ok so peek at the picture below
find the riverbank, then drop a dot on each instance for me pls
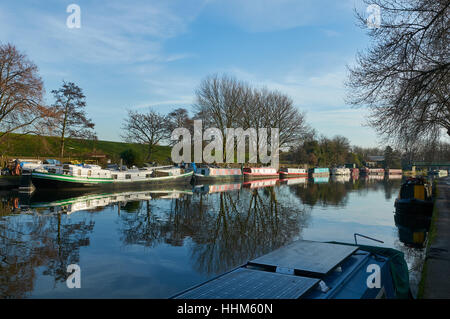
(436, 271)
(42, 147)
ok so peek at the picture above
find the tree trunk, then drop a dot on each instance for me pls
(61, 153)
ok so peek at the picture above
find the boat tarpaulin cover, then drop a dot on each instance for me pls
(397, 265)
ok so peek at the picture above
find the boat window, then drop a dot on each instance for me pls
(147, 175)
(128, 176)
(114, 176)
(89, 172)
(79, 172)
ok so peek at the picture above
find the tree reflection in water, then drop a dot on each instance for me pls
(29, 241)
(226, 229)
(335, 193)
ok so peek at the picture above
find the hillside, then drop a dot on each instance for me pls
(48, 147)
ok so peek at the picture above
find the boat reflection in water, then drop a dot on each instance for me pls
(71, 202)
(412, 229)
(301, 181)
(260, 183)
(340, 178)
(216, 188)
(319, 180)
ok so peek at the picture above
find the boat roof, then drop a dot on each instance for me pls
(306, 257)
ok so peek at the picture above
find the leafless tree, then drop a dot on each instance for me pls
(220, 101)
(404, 77)
(21, 91)
(179, 118)
(71, 120)
(146, 128)
(225, 102)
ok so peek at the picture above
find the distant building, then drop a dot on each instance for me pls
(374, 160)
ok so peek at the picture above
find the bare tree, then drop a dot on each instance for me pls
(146, 128)
(220, 101)
(404, 77)
(21, 91)
(71, 120)
(179, 118)
(225, 102)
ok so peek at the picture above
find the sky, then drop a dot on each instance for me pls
(132, 55)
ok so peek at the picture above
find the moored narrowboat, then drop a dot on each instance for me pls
(211, 174)
(312, 270)
(438, 172)
(292, 172)
(260, 172)
(371, 171)
(82, 176)
(393, 171)
(318, 172)
(354, 172)
(415, 197)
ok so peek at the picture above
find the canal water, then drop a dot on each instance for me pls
(155, 243)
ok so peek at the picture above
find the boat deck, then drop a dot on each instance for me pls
(290, 272)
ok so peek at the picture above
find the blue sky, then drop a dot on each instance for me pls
(136, 54)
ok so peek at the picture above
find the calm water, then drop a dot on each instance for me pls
(153, 244)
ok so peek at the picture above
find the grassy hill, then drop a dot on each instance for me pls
(48, 147)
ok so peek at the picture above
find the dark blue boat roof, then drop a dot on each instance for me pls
(306, 257)
(303, 269)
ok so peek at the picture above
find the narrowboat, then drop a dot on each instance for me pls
(293, 172)
(372, 171)
(438, 172)
(318, 172)
(312, 270)
(354, 172)
(83, 176)
(211, 174)
(393, 171)
(260, 172)
(415, 197)
(340, 171)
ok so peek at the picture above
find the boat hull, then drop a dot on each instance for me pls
(54, 181)
(250, 176)
(414, 207)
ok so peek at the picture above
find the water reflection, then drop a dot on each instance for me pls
(32, 240)
(220, 226)
(226, 230)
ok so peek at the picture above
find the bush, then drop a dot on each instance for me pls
(131, 157)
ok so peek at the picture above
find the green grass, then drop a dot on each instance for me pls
(48, 147)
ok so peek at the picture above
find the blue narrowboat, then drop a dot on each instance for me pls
(318, 172)
(312, 270)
